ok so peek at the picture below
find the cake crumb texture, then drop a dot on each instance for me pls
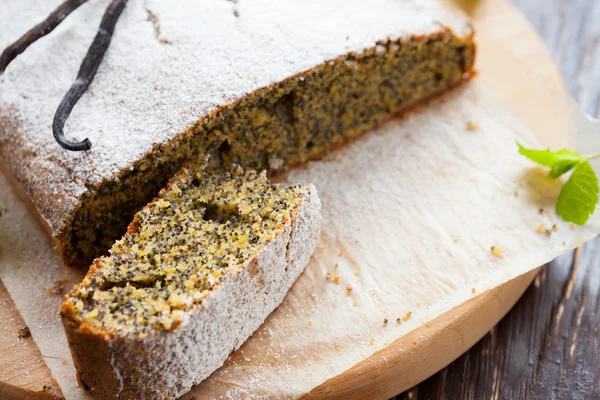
(179, 248)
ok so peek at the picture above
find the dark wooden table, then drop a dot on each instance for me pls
(548, 346)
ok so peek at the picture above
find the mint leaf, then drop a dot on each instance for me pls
(579, 195)
(559, 161)
(561, 167)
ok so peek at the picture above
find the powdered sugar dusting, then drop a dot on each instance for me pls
(147, 90)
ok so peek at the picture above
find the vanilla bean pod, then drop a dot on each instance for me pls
(38, 31)
(86, 74)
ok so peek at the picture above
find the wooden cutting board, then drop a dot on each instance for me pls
(23, 372)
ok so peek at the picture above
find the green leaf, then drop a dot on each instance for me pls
(559, 161)
(561, 167)
(579, 195)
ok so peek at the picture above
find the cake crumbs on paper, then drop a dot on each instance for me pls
(385, 321)
(24, 332)
(406, 316)
(336, 266)
(372, 340)
(455, 239)
(58, 288)
(357, 271)
(497, 251)
(549, 231)
(540, 228)
(572, 226)
(516, 193)
(473, 290)
(314, 296)
(332, 278)
(341, 253)
(472, 126)
(354, 303)
(348, 290)
(540, 210)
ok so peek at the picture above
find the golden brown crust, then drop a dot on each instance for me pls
(25, 198)
(91, 355)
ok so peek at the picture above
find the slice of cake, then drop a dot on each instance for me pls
(262, 83)
(198, 271)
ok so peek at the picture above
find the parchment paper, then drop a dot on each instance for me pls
(410, 213)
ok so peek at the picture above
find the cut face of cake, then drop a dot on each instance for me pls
(199, 270)
(260, 83)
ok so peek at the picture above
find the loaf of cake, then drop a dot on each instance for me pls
(198, 271)
(265, 84)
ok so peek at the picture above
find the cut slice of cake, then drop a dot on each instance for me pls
(198, 271)
(262, 83)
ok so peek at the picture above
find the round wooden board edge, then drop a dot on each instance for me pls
(421, 353)
(23, 370)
